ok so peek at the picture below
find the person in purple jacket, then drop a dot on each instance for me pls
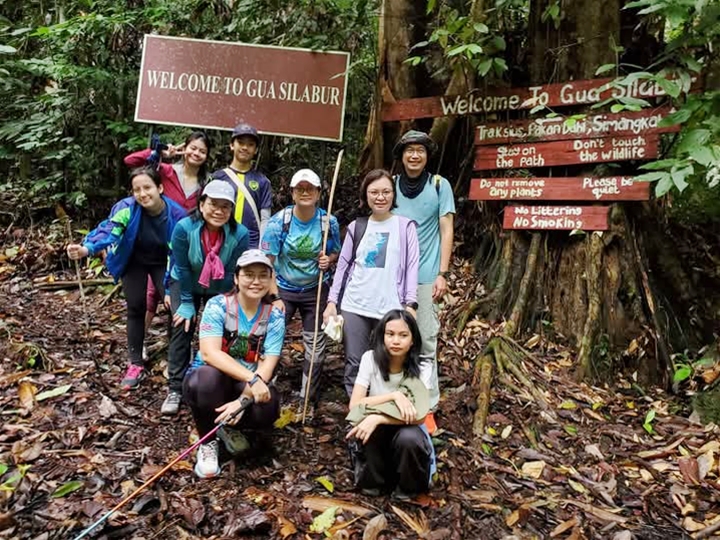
(253, 192)
(377, 270)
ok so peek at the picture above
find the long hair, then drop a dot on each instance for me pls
(147, 171)
(373, 176)
(411, 367)
(203, 170)
(197, 214)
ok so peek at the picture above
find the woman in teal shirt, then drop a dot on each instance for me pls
(205, 247)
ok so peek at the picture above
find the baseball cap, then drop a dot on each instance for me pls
(245, 129)
(414, 137)
(413, 388)
(219, 189)
(253, 256)
(305, 175)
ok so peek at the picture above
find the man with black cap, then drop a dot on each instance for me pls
(428, 200)
(253, 191)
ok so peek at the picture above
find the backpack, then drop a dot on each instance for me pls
(287, 221)
(235, 347)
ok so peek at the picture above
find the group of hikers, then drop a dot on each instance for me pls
(200, 242)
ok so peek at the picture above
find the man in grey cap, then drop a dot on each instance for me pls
(428, 200)
(253, 190)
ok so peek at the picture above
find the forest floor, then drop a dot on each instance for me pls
(599, 464)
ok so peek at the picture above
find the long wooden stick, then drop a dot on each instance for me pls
(320, 283)
(79, 277)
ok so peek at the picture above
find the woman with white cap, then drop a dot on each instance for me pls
(205, 247)
(241, 338)
(293, 241)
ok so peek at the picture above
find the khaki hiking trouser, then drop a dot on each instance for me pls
(429, 324)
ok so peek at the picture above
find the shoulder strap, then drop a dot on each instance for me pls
(287, 220)
(231, 315)
(361, 224)
(437, 179)
(246, 194)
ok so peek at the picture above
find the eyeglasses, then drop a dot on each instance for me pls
(252, 277)
(385, 194)
(304, 189)
(220, 205)
(416, 151)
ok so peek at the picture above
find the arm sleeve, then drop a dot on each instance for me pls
(447, 200)
(271, 237)
(365, 370)
(181, 255)
(412, 264)
(334, 237)
(264, 218)
(110, 230)
(343, 265)
(137, 159)
(272, 345)
(212, 322)
(266, 195)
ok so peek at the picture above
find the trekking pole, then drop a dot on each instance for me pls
(244, 404)
(66, 218)
(320, 283)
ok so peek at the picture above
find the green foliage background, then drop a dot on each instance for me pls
(69, 70)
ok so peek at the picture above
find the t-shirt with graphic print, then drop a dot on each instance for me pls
(212, 324)
(296, 262)
(372, 288)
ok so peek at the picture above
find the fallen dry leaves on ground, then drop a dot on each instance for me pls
(607, 463)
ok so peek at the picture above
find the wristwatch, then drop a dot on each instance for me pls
(255, 379)
(412, 305)
(445, 274)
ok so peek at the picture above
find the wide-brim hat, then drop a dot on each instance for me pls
(414, 137)
(413, 388)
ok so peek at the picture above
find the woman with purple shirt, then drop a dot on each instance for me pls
(377, 275)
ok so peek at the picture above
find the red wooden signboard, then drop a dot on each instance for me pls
(589, 218)
(215, 84)
(551, 95)
(559, 128)
(613, 188)
(523, 156)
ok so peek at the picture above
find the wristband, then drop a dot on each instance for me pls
(412, 305)
(255, 379)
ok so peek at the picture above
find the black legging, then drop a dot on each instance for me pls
(134, 283)
(206, 388)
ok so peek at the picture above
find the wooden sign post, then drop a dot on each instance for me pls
(566, 218)
(614, 188)
(576, 151)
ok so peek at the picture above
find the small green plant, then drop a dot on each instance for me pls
(647, 424)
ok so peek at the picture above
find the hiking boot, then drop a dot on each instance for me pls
(207, 464)
(171, 405)
(233, 439)
(133, 376)
(399, 495)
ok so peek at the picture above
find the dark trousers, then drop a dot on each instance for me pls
(395, 456)
(206, 388)
(305, 302)
(180, 348)
(357, 330)
(134, 282)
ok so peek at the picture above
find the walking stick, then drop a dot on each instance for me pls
(244, 404)
(320, 283)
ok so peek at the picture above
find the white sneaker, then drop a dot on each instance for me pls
(171, 405)
(207, 464)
